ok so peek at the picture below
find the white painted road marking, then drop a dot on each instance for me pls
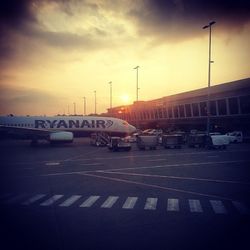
(151, 204)
(110, 202)
(90, 201)
(153, 186)
(33, 199)
(240, 207)
(175, 177)
(52, 163)
(51, 200)
(195, 206)
(157, 160)
(130, 203)
(173, 205)
(70, 201)
(91, 164)
(218, 207)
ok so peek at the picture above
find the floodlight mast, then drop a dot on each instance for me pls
(110, 83)
(84, 105)
(209, 73)
(95, 101)
(137, 88)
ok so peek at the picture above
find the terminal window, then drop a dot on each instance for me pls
(233, 106)
(160, 113)
(170, 112)
(181, 109)
(195, 109)
(176, 113)
(222, 107)
(245, 104)
(188, 110)
(165, 115)
(203, 108)
(156, 114)
(213, 108)
(152, 114)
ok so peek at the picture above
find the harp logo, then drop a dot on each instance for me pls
(109, 123)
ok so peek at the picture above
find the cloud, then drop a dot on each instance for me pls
(19, 98)
(22, 32)
(178, 20)
(105, 23)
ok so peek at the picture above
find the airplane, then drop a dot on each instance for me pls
(61, 129)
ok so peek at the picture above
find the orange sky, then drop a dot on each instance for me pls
(55, 52)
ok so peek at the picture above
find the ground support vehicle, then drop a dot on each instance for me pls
(172, 141)
(197, 140)
(119, 144)
(235, 136)
(218, 141)
(99, 139)
(147, 141)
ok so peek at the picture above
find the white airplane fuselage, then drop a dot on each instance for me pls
(83, 125)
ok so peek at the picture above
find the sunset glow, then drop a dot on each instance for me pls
(125, 99)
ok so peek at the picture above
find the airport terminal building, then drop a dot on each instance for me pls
(229, 109)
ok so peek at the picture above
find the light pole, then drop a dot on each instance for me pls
(110, 83)
(84, 105)
(137, 67)
(95, 101)
(209, 73)
(74, 108)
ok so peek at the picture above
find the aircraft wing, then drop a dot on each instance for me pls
(25, 132)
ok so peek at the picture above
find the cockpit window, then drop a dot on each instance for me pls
(125, 123)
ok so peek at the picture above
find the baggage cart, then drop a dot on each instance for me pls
(119, 144)
(197, 140)
(147, 141)
(172, 141)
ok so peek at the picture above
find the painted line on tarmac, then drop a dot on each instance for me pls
(130, 156)
(52, 163)
(176, 165)
(130, 203)
(177, 177)
(195, 206)
(151, 204)
(213, 156)
(70, 201)
(173, 205)
(91, 164)
(135, 168)
(110, 202)
(156, 186)
(90, 201)
(157, 160)
(124, 157)
(218, 207)
(240, 207)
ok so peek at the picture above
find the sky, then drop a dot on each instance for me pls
(55, 52)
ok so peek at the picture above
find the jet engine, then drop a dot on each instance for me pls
(61, 137)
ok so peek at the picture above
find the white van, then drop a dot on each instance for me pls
(235, 136)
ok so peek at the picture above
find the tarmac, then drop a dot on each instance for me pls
(77, 196)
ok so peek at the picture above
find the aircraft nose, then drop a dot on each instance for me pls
(132, 129)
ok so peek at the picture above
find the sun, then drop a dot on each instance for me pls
(125, 99)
